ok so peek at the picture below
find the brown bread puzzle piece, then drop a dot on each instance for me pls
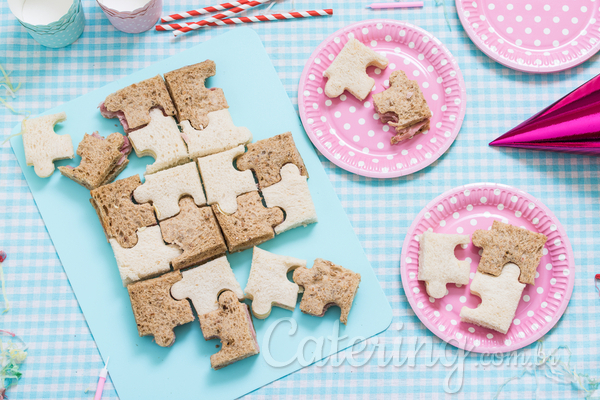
(402, 106)
(232, 324)
(190, 95)
(133, 103)
(250, 225)
(101, 160)
(506, 243)
(156, 312)
(327, 284)
(267, 156)
(119, 216)
(196, 232)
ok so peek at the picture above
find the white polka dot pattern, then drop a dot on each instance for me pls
(535, 36)
(369, 152)
(466, 209)
(136, 23)
(61, 33)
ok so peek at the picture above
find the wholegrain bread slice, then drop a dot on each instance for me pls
(195, 231)
(348, 70)
(203, 284)
(156, 312)
(101, 160)
(191, 97)
(232, 324)
(165, 188)
(133, 103)
(500, 296)
(402, 106)
(268, 284)
(506, 243)
(251, 225)
(119, 216)
(292, 195)
(267, 156)
(161, 140)
(42, 145)
(222, 182)
(220, 135)
(148, 258)
(327, 284)
(438, 265)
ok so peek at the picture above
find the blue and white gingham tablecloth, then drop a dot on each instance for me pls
(64, 360)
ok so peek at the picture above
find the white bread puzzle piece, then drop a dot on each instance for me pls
(149, 257)
(161, 140)
(348, 70)
(224, 183)
(203, 284)
(500, 296)
(437, 263)
(43, 146)
(165, 188)
(220, 135)
(293, 196)
(268, 284)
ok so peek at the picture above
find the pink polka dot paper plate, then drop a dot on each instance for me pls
(463, 210)
(533, 35)
(348, 132)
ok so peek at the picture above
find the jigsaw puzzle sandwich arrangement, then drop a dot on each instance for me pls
(509, 258)
(209, 192)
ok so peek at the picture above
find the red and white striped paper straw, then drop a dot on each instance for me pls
(270, 17)
(186, 27)
(202, 11)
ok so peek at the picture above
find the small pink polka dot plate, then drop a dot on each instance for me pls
(348, 131)
(463, 210)
(534, 35)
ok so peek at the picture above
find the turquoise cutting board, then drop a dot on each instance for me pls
(138, 367)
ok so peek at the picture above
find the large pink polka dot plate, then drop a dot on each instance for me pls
(348, 132)
(533, 35)
(463, 210)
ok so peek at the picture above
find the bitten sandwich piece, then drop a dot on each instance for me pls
(196, 232)
(43, 146)
(190, 95)
(266, 158)
(506, 243)
(203, 284)
(101, 160)
(403, 107)
(437, 263)
(251, 225)
(327, 284)
(119, 216)
(156, 312)
(268, 284)
(223, 183)
(148, 258)
(232, 324)
(165, 188)
(132, 104)
(220, 135)
(500, 296)
(293, 196)
(348, 70)
(161, 140)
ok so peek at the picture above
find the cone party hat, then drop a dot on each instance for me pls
(572, 124)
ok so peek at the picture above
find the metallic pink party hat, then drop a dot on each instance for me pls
(572, 124)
